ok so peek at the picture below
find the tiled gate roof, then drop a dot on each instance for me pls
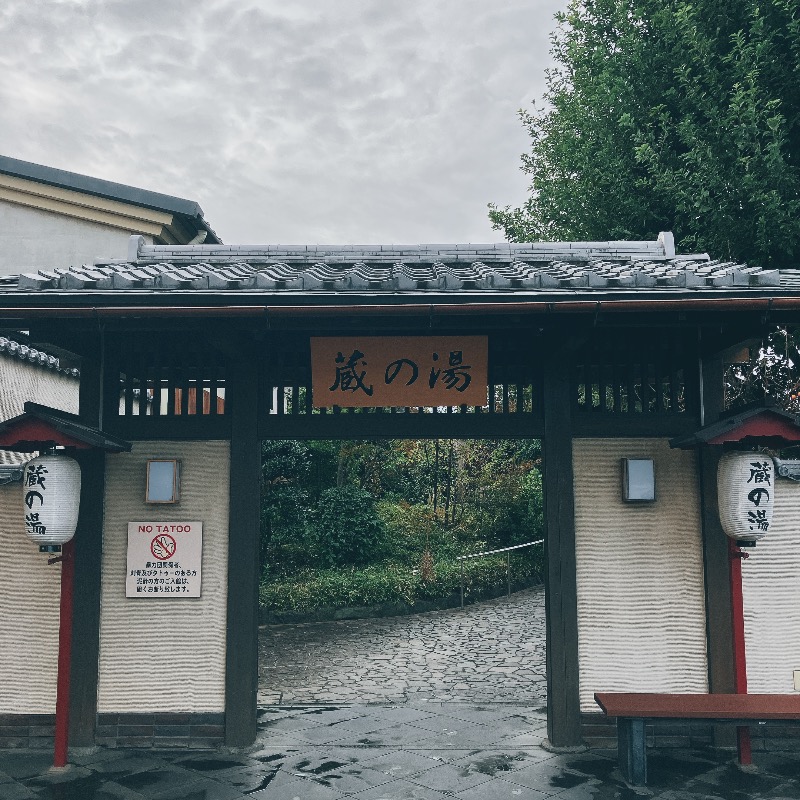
(577, 267)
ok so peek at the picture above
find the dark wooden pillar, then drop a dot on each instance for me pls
(88, 555)
(719, 629)
(563, 705)
(241, 661)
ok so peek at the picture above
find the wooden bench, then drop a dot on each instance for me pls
(632, 709)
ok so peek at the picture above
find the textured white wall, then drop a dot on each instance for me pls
(771, 588)
(32, 239)
(20, 381)
(29, 615)
(641, 603)
(165, 653)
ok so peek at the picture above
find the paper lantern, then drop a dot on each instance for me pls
(746, 495)
(51, 487)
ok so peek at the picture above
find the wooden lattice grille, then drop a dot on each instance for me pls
(177, 390)
(646, 381)
(501, 398)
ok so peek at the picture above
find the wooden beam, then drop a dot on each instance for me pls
(401, 426)
(719, 620)
(719, 626)
(201, 427)
(86, 599)
(241, 660)
(600, 425)
(563, 704)
(88, 564)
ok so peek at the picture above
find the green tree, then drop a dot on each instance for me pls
(347, 527)
(285, 467)
(669, 115)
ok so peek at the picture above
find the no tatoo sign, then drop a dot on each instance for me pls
(164, 559)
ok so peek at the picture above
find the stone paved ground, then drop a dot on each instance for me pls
(488, 652)
(431, 733)
(430, 751)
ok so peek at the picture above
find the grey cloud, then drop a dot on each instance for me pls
(311, 120)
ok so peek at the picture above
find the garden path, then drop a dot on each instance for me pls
(488, 652)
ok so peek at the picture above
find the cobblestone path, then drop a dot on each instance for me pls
(488, 652)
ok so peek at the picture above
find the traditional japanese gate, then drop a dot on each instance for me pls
(553, 383)
(578, 348)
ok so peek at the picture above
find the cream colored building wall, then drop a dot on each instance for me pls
(29, 614)
(641, 598)
(771, 589)
(21, 381)
(165, 653)
(29, 588)
(32, 239)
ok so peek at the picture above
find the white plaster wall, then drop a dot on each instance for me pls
(29, 615)
(771, 589)
(21, 381)
(641, 599)
(32, 239)
(165, 653)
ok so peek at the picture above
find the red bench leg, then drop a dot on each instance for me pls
(631, 750)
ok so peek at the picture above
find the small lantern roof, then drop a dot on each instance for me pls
(41, 427)
(762, 424)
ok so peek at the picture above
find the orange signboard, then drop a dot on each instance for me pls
(406, 371)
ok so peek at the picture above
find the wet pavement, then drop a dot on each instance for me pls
(429, 751)
(489, 652)
(447, 704)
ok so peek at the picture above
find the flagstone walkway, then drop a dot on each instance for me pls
(487, 652)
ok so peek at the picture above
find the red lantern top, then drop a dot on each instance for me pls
(40, 428)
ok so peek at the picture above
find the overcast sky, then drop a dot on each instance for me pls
(289, 121)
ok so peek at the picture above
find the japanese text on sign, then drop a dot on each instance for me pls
(759, 489)
(164, 559)
(35, 479)
(378, 371)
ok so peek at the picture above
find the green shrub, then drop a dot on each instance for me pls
(347, 528)
(410, 528)
(312, 589)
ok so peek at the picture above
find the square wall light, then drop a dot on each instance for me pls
(163, 481)
(638, 480)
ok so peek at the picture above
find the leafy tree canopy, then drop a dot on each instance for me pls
(669, 115)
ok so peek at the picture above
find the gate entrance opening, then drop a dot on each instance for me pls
(361, 538)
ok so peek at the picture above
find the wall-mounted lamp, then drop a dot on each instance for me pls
(163, 481)
(638, 480)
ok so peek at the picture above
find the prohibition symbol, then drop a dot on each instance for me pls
(163, 547)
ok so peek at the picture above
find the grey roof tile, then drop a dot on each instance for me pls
(482, 268)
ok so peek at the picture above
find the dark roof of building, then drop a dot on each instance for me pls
(346, 275)
(107, 189)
